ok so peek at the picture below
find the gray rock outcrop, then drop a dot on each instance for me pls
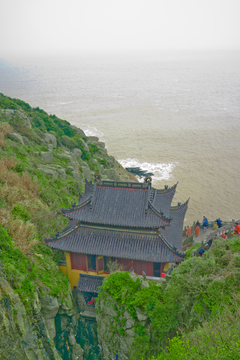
(86, 172)
(93, 138)
(19, 339)
(47, 156)
(49, 171)
(9, 113)
(79, 131)
(111, 174)
(77, 153)
(99, 144)
(50, 139)
(16, 137)
(77, 176)
(49, 306)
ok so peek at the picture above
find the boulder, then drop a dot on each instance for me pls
(104, 152)
(79, 131)
(141, 315)
(16, 137)
(77, 352)
(77, 153)
(50, 323)
(93, 138)
(25, 140)
(36, 303)
(49, 306)
(71, 337)
(9, 113)
(144, 284)
(66, 307)
(47, 156)
(112, 174)
(64, 320)
(74, 165)
(62, 173)
(49, 171)
(65, 155)
(77, 176)
(133, 275)
(50, 139)
(86, 172)
(112, 161)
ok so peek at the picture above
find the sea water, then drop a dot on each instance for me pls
(176, 114)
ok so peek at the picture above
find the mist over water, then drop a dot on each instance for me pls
(175, 114)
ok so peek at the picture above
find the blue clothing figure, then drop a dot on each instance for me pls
(219, 222)
(205, 223)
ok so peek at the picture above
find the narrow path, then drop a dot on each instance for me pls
(202, 235)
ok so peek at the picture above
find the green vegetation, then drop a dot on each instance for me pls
(32, 191)
(25, 273)
(195, 315)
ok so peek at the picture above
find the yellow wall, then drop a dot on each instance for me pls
(73, 274)
(166, 266)
(63, 269)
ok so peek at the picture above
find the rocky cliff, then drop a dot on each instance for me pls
(34, 337)
(44, 162)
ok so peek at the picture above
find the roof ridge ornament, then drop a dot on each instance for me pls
(97, 178)
(148, 181)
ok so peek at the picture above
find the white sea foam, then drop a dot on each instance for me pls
(161, 171)
(92, 131)
(65, 103)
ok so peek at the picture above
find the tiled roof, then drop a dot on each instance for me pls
(162, 199)
(173, 233)
(129, 244)
(126, 204)
(89, 283)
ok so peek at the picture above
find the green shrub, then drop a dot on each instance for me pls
(24, 274)
(21, 212)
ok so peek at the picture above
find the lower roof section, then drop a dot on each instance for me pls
(89, 283)
(134, 245)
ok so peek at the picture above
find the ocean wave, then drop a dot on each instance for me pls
(65, 103)
(161, 171)
(92, 131)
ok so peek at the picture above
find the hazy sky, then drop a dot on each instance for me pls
(75, 25)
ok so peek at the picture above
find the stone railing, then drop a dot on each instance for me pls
(227, 228)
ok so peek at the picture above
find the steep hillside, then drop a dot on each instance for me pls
(43, 165)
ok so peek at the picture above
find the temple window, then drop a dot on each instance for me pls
(91, 260)
(78, 261)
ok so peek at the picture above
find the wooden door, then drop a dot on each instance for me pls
(100, 264)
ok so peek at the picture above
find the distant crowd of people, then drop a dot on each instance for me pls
(205, 224)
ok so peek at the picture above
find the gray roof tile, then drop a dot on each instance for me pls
(89, 283)
(119, 206)
(135, 245)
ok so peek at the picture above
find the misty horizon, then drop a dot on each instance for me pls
(56, 27)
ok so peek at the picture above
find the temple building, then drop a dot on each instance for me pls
(130, 223)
